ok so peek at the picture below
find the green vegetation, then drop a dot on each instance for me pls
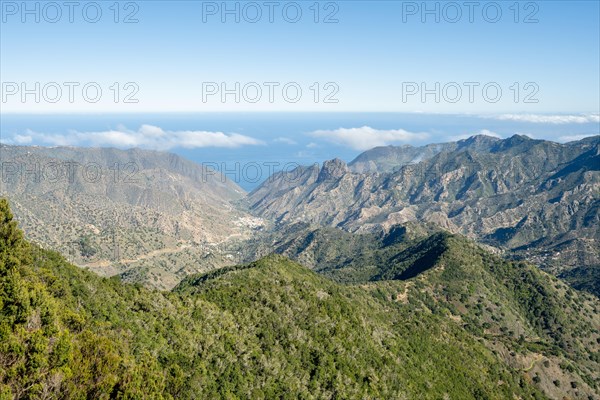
(347, 257)
(275, 329)
(85, 246)
(537, 200)
(584, 278)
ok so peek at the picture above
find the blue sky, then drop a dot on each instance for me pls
(368, 57)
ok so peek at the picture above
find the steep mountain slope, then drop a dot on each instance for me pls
(538, 199)
(392, 158)
(144, 214)
(342, 256)
(528, 317)
(274, 329)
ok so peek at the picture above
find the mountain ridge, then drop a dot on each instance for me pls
(469, 328)
(535, 199)
(390, 158)
(143, 214)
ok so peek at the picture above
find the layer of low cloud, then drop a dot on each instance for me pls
(573, 138)
(147, 137)
(365, 138)
(550, 119)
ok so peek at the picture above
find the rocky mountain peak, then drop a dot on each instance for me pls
(518, 143)
(517, 139)
(478, 142)
(332, 169)
(482, 187)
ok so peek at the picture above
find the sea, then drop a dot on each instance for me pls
(283, 141)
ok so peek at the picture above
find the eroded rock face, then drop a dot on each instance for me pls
(332, 169)
(537, 198)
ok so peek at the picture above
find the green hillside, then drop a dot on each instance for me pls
(275, 329)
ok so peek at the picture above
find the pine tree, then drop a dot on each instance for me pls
(13, 248)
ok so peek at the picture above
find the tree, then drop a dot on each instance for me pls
(13, 248)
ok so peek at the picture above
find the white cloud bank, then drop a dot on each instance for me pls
(550, 119)
(147, 137)
(365, 138)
